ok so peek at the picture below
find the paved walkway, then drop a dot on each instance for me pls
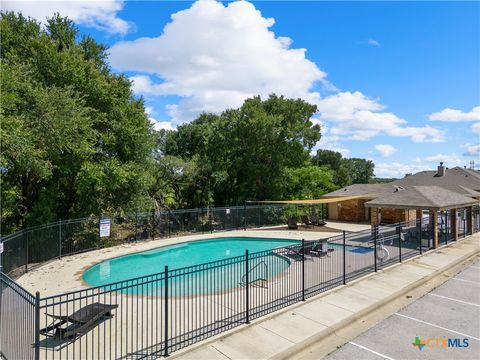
(299, 330)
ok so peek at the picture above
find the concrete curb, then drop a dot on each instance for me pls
(454, 267)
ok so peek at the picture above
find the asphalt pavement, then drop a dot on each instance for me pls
(444, 323)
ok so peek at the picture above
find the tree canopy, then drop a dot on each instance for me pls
(74, 138)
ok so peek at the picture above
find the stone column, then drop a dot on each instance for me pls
(374, 216)
(418, 214)
(454, 225)
(434, 226)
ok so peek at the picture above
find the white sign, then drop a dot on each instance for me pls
(227, 211)
(1, 248)
(104, 227)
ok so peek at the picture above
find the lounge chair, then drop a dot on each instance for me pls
(306, 220)
(82, 321)
(322, 250)
(296, 252)
(292, 223)
(316, 221)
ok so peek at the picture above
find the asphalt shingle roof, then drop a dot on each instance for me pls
(369, 190)
(454, 176)
(422, 197)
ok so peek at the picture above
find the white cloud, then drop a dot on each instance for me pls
(357, 117)
(373, 42)
(215, 56)
(453, 115)
(158, 125)
(396, 169)
(472, 150)
(385, 149)
(449, 160)
(166, 125)
(101, 15)
(328, 141)
(476, 128)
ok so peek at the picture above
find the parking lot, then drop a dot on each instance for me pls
(449, 312)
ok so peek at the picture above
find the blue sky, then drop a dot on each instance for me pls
(397, 83)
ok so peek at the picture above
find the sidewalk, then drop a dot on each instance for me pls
(347, 310)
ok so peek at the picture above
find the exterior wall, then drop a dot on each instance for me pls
(333, 211)
(351, 210)
(391, 216)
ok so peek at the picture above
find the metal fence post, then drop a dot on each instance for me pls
(136, 225)
(420, 236)
(344, 262)
(375, 231)
(60, 239)
(165, 353)
(26, 249)
(37, 326)
(244, 215)
(303, 269)
(247, 289)
(400, 242)
(153, 225)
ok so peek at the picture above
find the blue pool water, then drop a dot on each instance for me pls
(230, 273)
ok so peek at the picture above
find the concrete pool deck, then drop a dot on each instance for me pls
(331, 319)
(65, 274)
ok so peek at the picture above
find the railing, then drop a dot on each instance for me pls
(17, 321)
(36, 245)
(155, 315)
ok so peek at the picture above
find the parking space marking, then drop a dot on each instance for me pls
(437, 326)
(467, 281)
(370, 350)
(452, 299)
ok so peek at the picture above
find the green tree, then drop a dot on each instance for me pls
(241, 154)
(75, 141)
(360, 171)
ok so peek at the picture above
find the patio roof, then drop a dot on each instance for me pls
(315, 201)
(423, 197)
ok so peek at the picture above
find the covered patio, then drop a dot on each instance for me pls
(445, 215)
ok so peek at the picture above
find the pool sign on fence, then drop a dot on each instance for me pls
(104, 227)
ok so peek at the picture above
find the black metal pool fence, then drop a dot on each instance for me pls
(34, 245)
(155, 315)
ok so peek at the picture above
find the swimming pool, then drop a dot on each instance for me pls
(228, 273)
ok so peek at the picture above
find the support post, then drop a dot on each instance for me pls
(400, 242)
(419, 225)
(247, 289)
(37, 326)
(434, 227)
(136, 225)
(445, 227)
(375, 234)
(244, 215)
(27, 243)
(303, 269)
(344, 260)
(60, 239)
(454, 222)
(470, 220)
(153, 225)
(165, 352)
